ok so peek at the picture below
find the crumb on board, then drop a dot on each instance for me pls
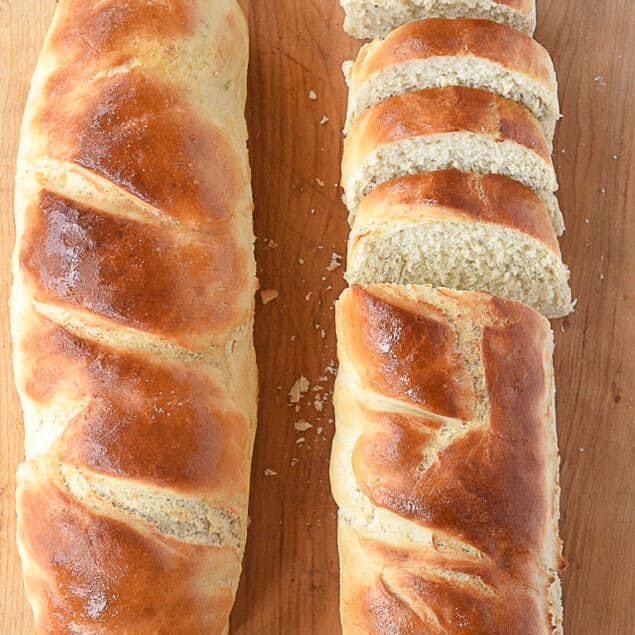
(302, 425)
(312, 95)
(336, 261)
(300, 440)
(307, 297)
(269, 472)
(323, 120)
(267, 295)
(298, 389)
(320, 182)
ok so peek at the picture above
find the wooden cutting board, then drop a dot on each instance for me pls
(290, 581)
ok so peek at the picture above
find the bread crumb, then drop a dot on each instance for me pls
(269, 472)
(580, 449)
(331, 368)
(300, 261)
(294, 462)
(323, 334)
(336, 261)
(300, 440)
(298, 389)
(307, 297)
(319, 430)
(313, 210)
(302, 425)
(323, 120)
(318, 404)
(615, 157)
(600, 82)
(320, 182)
(267, 295)
(587, 220)
(312, 95)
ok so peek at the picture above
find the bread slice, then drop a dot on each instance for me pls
(453, 127)
(376, 18)
(462, 231)
(440, 52)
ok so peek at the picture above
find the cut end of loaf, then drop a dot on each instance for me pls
(365, 19)
(464, 256)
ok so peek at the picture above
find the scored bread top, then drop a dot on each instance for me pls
(522, 68)
(454, 195)
(449, 500)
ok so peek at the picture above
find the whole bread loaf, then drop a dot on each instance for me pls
(445, 464)
(132, 311)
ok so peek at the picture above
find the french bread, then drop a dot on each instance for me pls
(440, 52)
(445, 464)
(463, 231)
(469, 129)
(131, 313)
(376, 18)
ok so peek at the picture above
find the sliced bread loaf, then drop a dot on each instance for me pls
(440, 52)
(376, 18)
(469, 129)
(462, 231)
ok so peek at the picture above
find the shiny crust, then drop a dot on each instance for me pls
(450, 521)
(102, 575)
(132, 311)
(448, 38)
(457, 196)
(441, 110)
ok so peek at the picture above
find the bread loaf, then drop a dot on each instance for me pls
(445, 464)
(435, 53)
(463, 231)
(132, 310)
(469, 129)
(376, 18)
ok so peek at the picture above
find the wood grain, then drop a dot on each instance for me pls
(289, 584)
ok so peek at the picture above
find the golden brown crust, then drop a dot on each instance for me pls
(140, 135)
(156, 421)
(454, 195)
(442, 110)
(463, 533)
(462, 37)
(104, 576)
(408, 355)
(142, 275)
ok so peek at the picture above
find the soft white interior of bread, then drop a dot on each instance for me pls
(368, 18)
(471, 256)
(458, 70)
(464, 151)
